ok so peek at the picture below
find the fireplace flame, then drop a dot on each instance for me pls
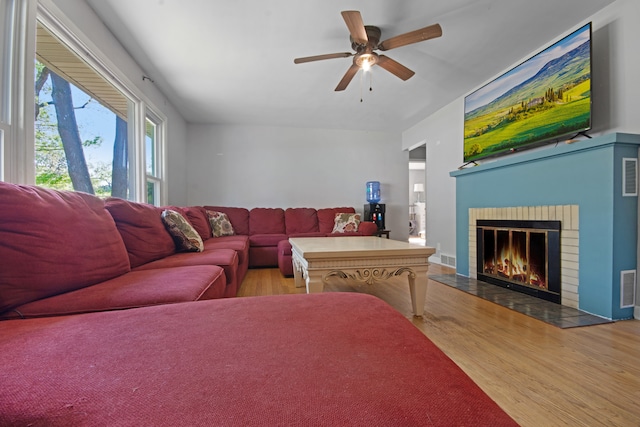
(512, 264)
(518, 266)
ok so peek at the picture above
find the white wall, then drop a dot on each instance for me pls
(616, 67)
(78, 15)
(332, 166)
(442, 134)
(249, 166)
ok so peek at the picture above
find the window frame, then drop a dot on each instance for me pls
(158, 176)
(16, 156)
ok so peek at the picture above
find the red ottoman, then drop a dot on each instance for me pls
(284, 258)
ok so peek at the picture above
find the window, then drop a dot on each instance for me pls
(152, 157)
(112, 148)
(82, 133)
(96, 142)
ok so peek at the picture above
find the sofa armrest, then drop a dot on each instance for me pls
(367, 228)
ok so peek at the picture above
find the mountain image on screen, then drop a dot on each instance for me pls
(517, 111)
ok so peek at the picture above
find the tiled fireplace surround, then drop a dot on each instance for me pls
(568, 215)
(579, 184)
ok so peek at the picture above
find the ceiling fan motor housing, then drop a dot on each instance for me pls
(365, 56)
(373, 35)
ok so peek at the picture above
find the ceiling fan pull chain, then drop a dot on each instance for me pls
(370, 82)
(361, 77)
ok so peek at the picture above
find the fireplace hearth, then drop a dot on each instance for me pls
(521, 255)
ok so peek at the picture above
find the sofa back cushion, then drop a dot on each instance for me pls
(301, 220)
(197, 216)
(266, 221)
(239, 218)
(54, 242)
(327, 217)
(142, 230)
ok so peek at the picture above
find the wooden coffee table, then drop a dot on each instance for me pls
(361, 259)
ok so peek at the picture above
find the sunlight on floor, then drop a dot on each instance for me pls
(417, 240)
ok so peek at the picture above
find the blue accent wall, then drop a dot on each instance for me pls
(587, 173)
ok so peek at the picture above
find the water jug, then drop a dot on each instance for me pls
(373, 191)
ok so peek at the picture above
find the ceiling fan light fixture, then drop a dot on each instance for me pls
(366, 60)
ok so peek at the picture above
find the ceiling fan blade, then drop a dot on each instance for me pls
(395, 67)
(353, 19)
(426, 33)
(348, 76)
(321, 57)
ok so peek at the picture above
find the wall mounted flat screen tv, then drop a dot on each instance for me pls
(544, 98)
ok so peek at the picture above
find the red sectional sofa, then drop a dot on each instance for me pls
(269, 230)
(70, 263)
(70, 252)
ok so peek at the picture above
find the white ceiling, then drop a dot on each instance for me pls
(231, 61)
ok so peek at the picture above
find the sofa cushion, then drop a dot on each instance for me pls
(185, 237)
(284, 248)
(346, 223)
(141, 229)
(239, 362)
(367, 228)
(238, 243)
(226, 258)
(197, 215)
(285, 263)
(54, 242)
(327, 216)
(258, 240)
(266, 221)
(133, 289)
(301, 220)
(208, 257)
(239, 217)
(220, 224)
(263, 256)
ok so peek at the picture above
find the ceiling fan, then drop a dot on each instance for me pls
(365, 39)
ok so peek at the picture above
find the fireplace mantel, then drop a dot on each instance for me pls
(587, 174)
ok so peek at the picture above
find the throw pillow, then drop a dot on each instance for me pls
(346, 223)
(220, 224)
(184, 235)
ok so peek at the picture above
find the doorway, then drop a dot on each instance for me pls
(417, 193)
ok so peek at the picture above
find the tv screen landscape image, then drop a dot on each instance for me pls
(545, 97)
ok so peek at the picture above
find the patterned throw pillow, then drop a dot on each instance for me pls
(184, 235)
(346, 223)
(220, 224)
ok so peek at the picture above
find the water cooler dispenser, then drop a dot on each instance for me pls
(375, 212)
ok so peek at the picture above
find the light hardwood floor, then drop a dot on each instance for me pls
(539, 374)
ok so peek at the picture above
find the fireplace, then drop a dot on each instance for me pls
(522, 255)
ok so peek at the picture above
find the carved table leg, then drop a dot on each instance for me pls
(418, 291)
(297, 273)
(314, 281)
